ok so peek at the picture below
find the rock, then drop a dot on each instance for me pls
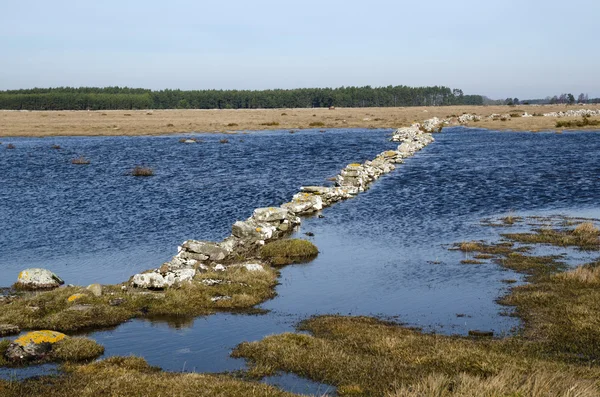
(33, 346)
(8, 329)
(271, 214)
(211, 281)
(188, 141)
(481, 334)
(220, 298)
(210, 249)
(116, 301)
(219, 268)
(156, 280)
(95, 289)
(75, 297)
(38, 279)
(253, 230)
(149, 280)
(254, 267)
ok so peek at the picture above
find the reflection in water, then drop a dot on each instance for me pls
(383, 253)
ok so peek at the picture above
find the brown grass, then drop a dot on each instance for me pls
(49, 123)
(288, 251)
(585, 236)
(368, 357)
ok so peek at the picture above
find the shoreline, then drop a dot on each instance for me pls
(198, 121)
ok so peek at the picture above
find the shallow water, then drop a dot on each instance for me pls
(383, 253)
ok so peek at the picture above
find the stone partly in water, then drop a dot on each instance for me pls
(8, 329)
(33, 346)
(38, 279)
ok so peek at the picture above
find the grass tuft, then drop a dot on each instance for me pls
(288, 251)
(316, 124)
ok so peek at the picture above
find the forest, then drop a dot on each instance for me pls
(92, 98)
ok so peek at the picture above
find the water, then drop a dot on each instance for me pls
(383, 253)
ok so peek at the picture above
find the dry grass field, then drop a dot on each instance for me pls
(158, 122)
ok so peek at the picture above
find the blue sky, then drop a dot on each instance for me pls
(527, 48)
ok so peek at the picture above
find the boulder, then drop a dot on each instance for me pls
(270, 214)
(212, 250)
(156, 280)
(95, 289)
(253, 230)
(36, 278)
(33, 346)
(254, 267)
(149, 280)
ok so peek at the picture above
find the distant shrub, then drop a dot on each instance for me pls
(80, 161)
(170, 125)
(515, 115)
(127, 114)
(317, 124)
(284, 114)
(232, 125)
(142, 171)
(270, 123)
(584, 122)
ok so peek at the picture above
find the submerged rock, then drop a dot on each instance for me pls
(36, 278)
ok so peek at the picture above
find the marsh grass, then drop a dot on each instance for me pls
(471, 262)
(132, 376)
(367, 357)
(316, 124)
(555, 354)
(142, 171)
(288, 251)
(270, 123)
(585, 236)
(52, 310)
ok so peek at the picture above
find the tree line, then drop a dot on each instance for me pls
(109, 98)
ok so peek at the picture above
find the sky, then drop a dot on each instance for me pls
(508, 48)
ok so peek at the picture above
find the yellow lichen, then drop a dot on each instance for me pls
(74, 297)
(38, 337)
(22, 274)
(258, 229)
(390, 153)
(354, 165)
